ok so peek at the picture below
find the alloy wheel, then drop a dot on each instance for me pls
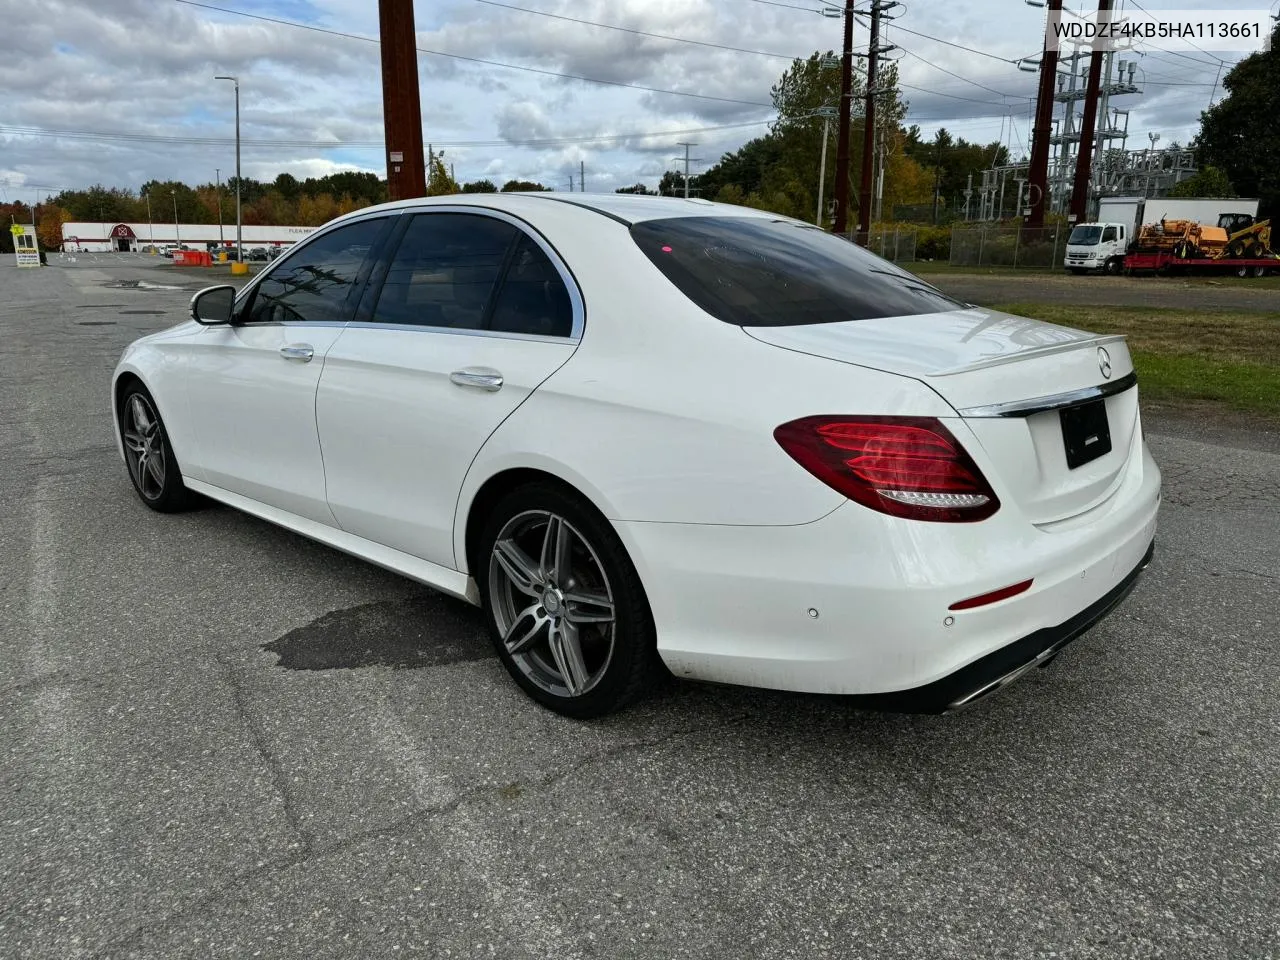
(552, 603)
(144, 446)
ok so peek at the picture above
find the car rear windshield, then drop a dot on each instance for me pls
(755, 272)
(1085, 235)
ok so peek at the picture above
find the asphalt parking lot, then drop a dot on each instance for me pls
(221, 740)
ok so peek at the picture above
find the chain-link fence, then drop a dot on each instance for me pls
(898, 245)
(988, 245)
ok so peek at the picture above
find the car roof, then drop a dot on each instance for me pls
(624, 208)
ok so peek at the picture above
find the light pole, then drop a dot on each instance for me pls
(217, 176)
(239, 247)
(151, 230)
(176, 232)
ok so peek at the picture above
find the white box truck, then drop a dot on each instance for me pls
(1102, 245)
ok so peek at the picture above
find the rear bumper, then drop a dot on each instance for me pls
(1001, 668)
(858, 604)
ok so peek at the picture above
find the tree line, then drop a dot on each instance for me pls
(286, 200)
(780, 171)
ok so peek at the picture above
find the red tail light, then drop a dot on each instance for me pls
(904, 466)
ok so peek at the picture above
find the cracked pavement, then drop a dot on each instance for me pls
(218, 739)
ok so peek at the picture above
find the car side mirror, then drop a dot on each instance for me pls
(212, 306)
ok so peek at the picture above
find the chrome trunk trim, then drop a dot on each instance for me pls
(1058, 401)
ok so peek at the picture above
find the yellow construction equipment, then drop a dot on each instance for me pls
(1188, 240)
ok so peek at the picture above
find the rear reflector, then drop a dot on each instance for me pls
(908, 467)
(1004, 593)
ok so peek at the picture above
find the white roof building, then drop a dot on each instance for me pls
(107, 236)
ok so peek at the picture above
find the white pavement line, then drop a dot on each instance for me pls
(517, 910)
(42, 584)
(53, 708)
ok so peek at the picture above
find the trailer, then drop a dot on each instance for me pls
(1165, 264)
(1102, 244)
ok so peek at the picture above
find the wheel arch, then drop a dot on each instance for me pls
(124, 379)
(472, 514)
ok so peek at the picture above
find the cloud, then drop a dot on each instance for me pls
(144, 69)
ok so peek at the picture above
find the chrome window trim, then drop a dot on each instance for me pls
(578, 322)
(457, 331)
(1058, 401)
(303, 244)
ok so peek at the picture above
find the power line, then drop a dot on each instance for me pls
(1219, 60)
(792, 6)
(480, 60)
(16, 131)
(934, 66)
(958, 46)
(640, 33)
(953, 96)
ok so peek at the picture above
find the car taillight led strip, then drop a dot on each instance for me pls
(910, 467)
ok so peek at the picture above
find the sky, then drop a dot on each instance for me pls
(122, 91)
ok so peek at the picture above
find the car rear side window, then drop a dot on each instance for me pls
(533, 298)
(314, 283)
(755, 272)
(444, 272)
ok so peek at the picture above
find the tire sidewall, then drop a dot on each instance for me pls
(634, 661)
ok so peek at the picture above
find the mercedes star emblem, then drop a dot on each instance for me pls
(1104, 362)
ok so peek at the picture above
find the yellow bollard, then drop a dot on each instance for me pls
(239, 269)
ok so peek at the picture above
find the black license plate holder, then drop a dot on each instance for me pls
(1086, 434)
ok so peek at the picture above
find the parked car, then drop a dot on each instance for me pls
(646, 433)
(258, 254)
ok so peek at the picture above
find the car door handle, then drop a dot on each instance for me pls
(481, 377)
(298, 351)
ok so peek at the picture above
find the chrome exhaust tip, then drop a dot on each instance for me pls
(995, 686)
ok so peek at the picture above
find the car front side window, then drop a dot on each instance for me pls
(316, 282)
(445, 271)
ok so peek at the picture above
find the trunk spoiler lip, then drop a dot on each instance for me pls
(1058, 401)
(1048, 350)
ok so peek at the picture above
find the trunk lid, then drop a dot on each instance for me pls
(991, 367)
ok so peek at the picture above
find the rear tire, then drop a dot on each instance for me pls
(153, 469)
(567, 613)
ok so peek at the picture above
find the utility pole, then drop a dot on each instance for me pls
(1088, 126)
(937, 176)
(869, 126)
(401, 102)
(1038, 187)
(582, 176)
(842, 130)
(822, 165)
(176, 232)
(687, 160)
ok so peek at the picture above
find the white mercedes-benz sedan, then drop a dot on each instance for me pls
(654, 434)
